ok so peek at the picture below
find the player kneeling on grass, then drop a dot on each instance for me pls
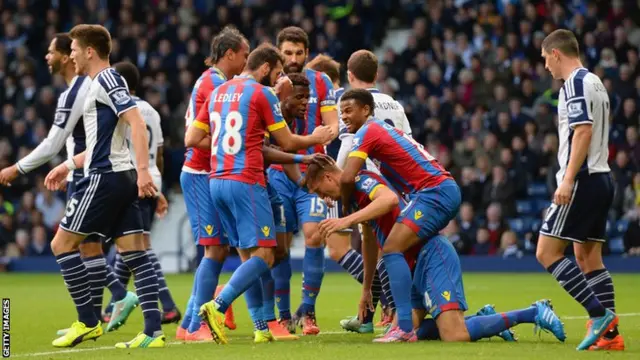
(442, 295)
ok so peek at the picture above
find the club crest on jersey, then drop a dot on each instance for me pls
(120, 97)
(574, 109)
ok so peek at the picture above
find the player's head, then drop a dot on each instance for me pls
(90, 43)
(296, 103)
(59, 52)
(294, 44)
(130, 74)
(558, 47)
(324, 180)
(326, 64)
(229, 46)
(265, 63)
(356, 105)
(362, 66)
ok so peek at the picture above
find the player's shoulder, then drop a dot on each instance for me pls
(339, 92)
(109, 79)
(574, 86)
(67, 98)
(144, 106)
(367, 180)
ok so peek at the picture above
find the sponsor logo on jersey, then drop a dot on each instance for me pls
(120, 97)
(574, 109)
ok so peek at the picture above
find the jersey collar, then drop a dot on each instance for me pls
(373, 90)
(219, 72)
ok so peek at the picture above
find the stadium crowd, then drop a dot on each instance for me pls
(470, 77)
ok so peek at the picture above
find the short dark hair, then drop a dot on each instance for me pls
(293, 34)
(361, 96)
(63, 43)
(563, 40)
(326, 64)
(298, 79)
(363, 64)
(130, 74)
(265, 53)
(315, 171)
(94, 36)
(229, 38)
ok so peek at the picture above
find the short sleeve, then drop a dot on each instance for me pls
(363, 142)
(117, 93)
(577, 98)
(328, 101)
(268, 106)
(368, 185)
(202, 118)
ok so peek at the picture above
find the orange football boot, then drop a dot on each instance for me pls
(229, 318)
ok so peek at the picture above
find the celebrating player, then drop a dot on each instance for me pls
(229, 51)
(240, 111)
(304, 211)
(437, 284)
(68, 126)
(151, 205)
(584, 195)
(413, 172)
(93, 208)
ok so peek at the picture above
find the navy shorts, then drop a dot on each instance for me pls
(584, 218)
(148, 212)
(105, 205)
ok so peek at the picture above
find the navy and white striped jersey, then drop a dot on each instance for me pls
(67, 121)
(154, 133)
(583, 99)
(107, 149)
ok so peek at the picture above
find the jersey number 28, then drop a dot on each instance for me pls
(231, 138)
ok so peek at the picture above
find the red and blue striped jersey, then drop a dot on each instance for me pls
(404, 162)
(198, 160)
(237, 114)
(367, 183)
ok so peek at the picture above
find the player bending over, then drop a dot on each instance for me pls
(437, 283)
(581, 203)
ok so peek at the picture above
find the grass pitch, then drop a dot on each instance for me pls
(40, 305)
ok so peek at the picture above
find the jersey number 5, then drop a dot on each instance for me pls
(231, 138)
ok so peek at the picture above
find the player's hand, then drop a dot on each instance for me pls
(366, 304)
(146, 188)
(63, 185)
(562, 195)
(319, 159)
(163, 206)
(7, 175)
(329, 202)
(322, 134)
(329, 226)
(56, 177)
(283, 87)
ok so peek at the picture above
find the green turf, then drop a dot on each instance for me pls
(40, 305)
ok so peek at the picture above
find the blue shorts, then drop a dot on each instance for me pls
(245, 213)
(300, 207)
(277, 208)
(205, 222)
(104, 204)
(430, 210)
(437, 279)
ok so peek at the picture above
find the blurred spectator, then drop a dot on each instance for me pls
(500, 190)
(483, 245)
(51, 207)
(509, 245)
(460, 240)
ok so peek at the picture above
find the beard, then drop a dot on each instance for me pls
(266, 80)
(292, 68)
(54, 68)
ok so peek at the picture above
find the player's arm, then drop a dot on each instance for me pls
(56, 177)
(369, 255)
(275, 156)
(269, 107)
(328, 108)
(383, 201)
(198, 133)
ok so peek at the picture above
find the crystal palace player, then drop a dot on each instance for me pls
(93, 208)
(377, 206)
(585, 192)
(413, 172)
(229, 51)
(240, 111)
(304, 211)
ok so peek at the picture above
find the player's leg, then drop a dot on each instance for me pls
(566, 223)
(311, 209)
(247, 217)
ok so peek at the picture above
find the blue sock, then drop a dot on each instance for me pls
(97, 270)
(186, 320)
(164, 295)
(76, 278)
(428, 330)
(146, 283)
(253, 297)
(282, 280)
(480, 327)
(312, 272)
(268, 300)
(244, 276)
(400, 281)
(573, 281)
(207, 281)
